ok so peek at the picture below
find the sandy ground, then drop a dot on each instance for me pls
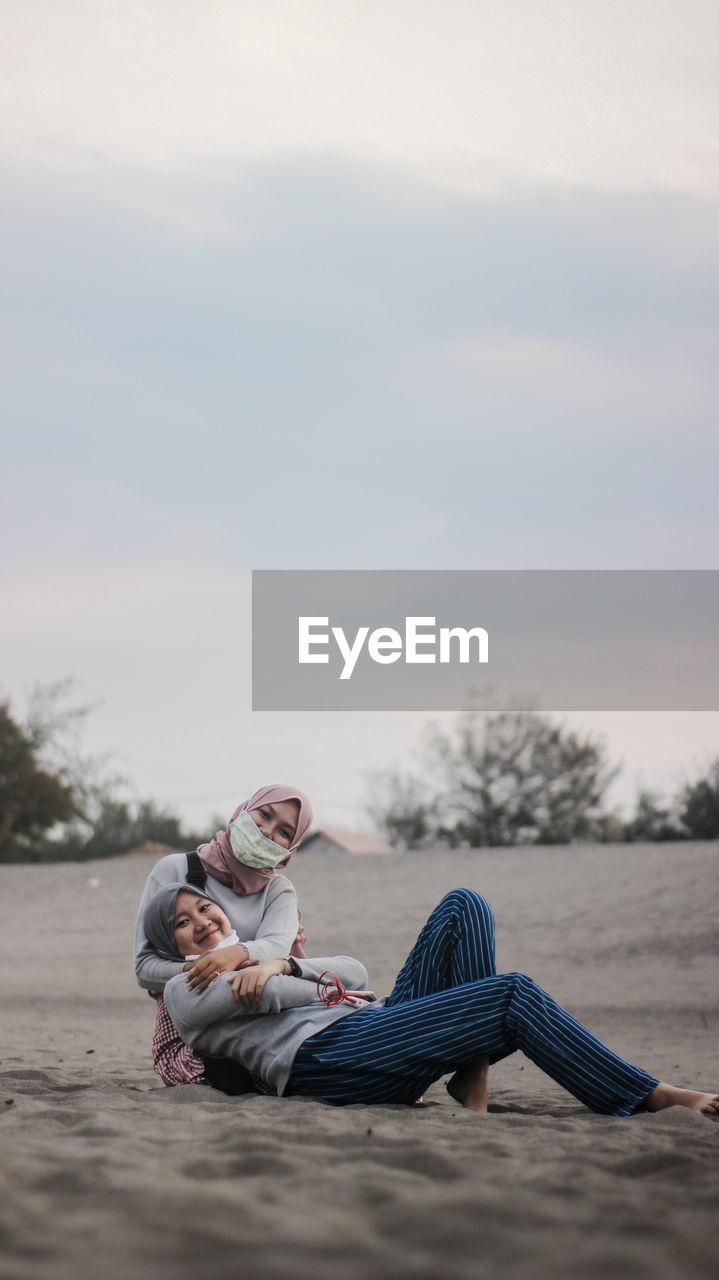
(105, 1173)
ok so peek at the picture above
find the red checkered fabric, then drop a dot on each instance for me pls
(173, 1060)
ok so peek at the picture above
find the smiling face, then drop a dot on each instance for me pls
(198, 924)
(277, 821)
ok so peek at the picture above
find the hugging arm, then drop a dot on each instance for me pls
(193, 1012)
(280, 922)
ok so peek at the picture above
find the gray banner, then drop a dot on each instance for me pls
(560, 640)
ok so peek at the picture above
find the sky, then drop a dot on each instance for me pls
(359, 284)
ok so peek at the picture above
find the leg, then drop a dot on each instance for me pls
(470, 1086)
(666, 1095)
(455, 946)
(392, 1053)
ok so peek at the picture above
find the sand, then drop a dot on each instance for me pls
(105, 1173)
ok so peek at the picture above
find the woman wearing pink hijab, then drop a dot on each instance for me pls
(241, 868)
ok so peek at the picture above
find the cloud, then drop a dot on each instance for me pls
(507, 363)
(469, 95)
(666, 383)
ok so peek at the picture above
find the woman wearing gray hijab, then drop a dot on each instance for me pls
(181, 922)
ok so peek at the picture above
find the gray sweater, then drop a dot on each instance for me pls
(265, 1042)
(266, 922)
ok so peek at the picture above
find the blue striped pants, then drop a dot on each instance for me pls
(449, 1007)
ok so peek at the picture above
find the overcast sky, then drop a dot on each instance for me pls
(342, 283)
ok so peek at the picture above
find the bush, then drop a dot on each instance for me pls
(653, 821)
(32, 799)
(699, 811)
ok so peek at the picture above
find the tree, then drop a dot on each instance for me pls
(700, 806)
(510, 778)
(519, 778)
(57, 804)
(400, 806)
(109, 826)
(32, 799)
(653, 821)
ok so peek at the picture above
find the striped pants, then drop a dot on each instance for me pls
(449, 1007)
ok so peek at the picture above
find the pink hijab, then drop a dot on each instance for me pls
(219, 861)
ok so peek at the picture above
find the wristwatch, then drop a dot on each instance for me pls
(295, 971)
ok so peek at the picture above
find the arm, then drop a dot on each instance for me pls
(351, 972)
(193, 1012)
(280, 921)
(248, 985)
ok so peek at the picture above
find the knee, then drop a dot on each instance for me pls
(520, 992)
(462, 900)
(520, 984)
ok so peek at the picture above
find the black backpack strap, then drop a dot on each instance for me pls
(196, 874)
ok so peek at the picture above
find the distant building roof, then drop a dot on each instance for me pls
(153, 847)
(339, 839)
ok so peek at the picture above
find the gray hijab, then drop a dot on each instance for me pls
(159, 915)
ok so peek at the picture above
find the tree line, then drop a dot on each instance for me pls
(513, 778)
(519, 778)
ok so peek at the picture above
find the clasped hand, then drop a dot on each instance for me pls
(204, 970)
(249, 983)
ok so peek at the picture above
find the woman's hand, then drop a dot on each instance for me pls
(203, 971)
(249, 983)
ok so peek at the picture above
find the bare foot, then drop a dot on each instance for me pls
(470, 1086)
(666, 1095)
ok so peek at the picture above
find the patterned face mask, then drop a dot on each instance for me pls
(251, 847)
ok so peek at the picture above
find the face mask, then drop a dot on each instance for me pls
(251, 847)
